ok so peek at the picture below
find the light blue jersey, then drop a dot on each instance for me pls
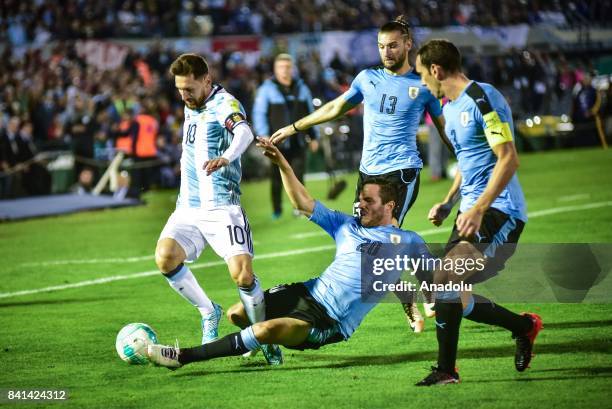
(338, 289)
(393, 109)
(477, 120)
(206, 136)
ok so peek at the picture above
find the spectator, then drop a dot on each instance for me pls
(279, 101)
(124, 188)
(169, 154)
(36, 179)
(85, 182)
(587, 103)
(10, 156)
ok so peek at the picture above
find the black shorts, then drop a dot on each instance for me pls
(406, 182)
(496, 238)
(294, 301)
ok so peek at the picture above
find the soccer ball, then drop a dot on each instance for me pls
(132, 342)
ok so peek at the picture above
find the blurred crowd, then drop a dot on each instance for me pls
(51, 99)
(56, 101)
(534, 82)
(39, 21)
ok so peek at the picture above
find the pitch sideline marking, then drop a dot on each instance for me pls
(573, 198)
(156, 272)
(86, 261)
(103, 280)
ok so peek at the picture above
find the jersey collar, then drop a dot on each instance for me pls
(462, 93)
(392, 74)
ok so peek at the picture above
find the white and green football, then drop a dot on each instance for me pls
(132, 342)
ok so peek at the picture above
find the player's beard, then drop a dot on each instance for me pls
(370, 219)
(396, 65)
(435, 90)
(195, 105)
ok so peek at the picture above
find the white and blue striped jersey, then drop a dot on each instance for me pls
(206, 135)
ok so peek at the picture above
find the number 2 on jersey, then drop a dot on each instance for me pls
(453, 137)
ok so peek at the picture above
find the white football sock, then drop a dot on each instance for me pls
(185, 283)
(253, 301)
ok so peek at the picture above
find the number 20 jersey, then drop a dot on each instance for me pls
(207, 133)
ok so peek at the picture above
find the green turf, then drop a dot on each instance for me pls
(65, 339)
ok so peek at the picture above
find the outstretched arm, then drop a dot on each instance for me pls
(299, 196)
(328, 112)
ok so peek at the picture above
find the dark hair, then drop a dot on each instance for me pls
(442, 53)
(399, 24)
(388, 191)
(187, 64)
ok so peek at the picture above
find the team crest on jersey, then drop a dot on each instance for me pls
(465, 118)
(235, 105)
(413, 92)
(395, 238)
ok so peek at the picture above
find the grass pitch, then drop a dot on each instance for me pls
(64, 339)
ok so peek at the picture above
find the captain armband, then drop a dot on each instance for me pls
(496, 131)
(234, 119)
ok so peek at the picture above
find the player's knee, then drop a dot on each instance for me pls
(236, 314)
(242, 273)
(265, 331)
(166, 259)
(244, 278)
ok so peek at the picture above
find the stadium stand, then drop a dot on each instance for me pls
(75, 96)
(42, 21)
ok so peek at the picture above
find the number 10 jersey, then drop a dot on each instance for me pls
(207, 134)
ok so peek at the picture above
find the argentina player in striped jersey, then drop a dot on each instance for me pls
(208, 211)
(394, 100)
(492, 212)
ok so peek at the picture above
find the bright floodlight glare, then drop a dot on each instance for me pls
(537, 120)
(529, 123)
(564, 118)
(328, 130)
(344, 129)
(316, 102)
